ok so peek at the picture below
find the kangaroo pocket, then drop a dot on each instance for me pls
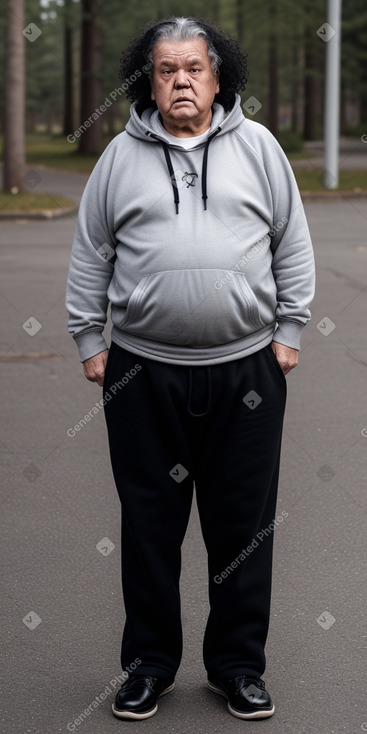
(198, 308)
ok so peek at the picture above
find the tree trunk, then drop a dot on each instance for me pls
(68, 121)
(310, 110)
(273, 74)
(295, 89)
(363, 108)
(14, 136)
(91, 136)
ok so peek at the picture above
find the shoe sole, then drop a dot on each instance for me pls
(146, 714)
(264, 714)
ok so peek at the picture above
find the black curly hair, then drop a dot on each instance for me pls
(222, 49)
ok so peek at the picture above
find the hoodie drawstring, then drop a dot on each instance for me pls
(203, 171)
(172, 175)
(205, 166)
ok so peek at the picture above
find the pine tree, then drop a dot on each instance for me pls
(14, 134)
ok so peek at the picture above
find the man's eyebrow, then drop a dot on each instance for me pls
(171, 62)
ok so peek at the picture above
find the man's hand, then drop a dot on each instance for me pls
(286, 356)
(94, 367)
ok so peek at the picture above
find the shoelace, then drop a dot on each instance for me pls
(246, 680)
(147, 679)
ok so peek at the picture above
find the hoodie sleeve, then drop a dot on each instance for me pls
(91, 265)
(293, 260)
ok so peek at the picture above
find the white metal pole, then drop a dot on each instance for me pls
(332, 97)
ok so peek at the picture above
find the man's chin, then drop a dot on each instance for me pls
(184, 114)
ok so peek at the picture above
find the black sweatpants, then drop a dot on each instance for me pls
(218, 426)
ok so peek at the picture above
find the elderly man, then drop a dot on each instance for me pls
(191, 226)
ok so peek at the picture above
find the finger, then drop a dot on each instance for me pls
(288, 367)
(94, 376)
(98, 377)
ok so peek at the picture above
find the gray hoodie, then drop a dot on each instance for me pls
(204, 254)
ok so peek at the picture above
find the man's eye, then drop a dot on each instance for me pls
(167, 72)
(195, 69)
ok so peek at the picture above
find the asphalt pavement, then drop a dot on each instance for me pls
(62, 611)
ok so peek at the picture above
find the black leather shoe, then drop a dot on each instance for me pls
(247, 697)
(137, 697)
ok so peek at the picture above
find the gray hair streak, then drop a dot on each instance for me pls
(182, 29)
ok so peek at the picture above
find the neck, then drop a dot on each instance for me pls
(187, 128)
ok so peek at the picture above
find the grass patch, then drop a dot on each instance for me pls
(303, 155)
(32, 202)
(348, 180)
(58, 153)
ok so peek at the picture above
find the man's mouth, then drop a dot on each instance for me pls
(182, 99)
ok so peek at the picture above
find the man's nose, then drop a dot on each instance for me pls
(181, 79)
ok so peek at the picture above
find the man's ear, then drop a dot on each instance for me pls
(152, 95)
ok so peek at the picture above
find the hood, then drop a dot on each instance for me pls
(148, 128)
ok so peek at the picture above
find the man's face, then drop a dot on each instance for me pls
(182, 69)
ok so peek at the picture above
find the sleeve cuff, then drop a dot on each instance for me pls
(289, 333)
(89, 344)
